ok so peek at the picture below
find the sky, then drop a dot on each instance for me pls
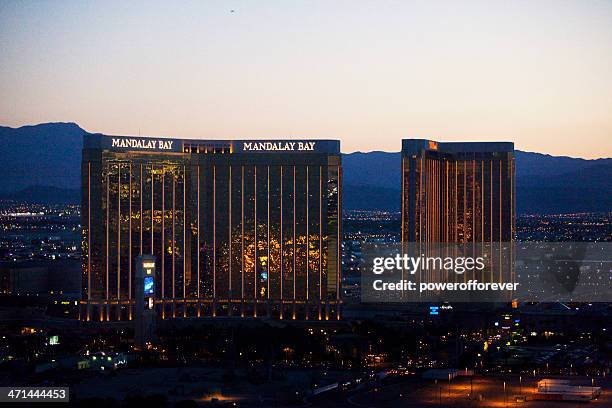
(538, 73)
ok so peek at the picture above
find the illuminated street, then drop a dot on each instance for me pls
(487, 392)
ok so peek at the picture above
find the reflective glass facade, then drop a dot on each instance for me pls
(238, 228)
(457, 192)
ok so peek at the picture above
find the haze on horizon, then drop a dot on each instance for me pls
(369, 73)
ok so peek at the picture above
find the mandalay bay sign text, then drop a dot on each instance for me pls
(144, 144)
(278, 146)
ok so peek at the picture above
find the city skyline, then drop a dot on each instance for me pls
(369, 74)
(333, 204)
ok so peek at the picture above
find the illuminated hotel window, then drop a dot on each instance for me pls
(252, 233)
(457, 192)
(207, 148)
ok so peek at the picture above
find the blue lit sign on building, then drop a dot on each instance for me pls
(149, 285)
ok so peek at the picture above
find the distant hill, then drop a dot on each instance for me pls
(380, 169)
(42, 163)
(48, 154)
(586, 189)
(544, 184)
(370, 198)
(538, 164)
(383, 168)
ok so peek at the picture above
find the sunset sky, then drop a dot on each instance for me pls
(538, 73)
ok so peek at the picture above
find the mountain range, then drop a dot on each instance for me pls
(41, 163)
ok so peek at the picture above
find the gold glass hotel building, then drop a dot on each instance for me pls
(242, 228)
(457, 192)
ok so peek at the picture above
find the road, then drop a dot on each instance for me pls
(486, 392)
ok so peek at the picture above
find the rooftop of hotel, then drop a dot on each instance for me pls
(145, 143)
(416, 145)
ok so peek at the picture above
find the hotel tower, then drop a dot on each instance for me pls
(457, 192)
(237, 228)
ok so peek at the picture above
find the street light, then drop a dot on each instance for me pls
(505, 396)
(520, 385)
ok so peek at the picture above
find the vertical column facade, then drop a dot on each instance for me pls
(234, 232)
(457, 192)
